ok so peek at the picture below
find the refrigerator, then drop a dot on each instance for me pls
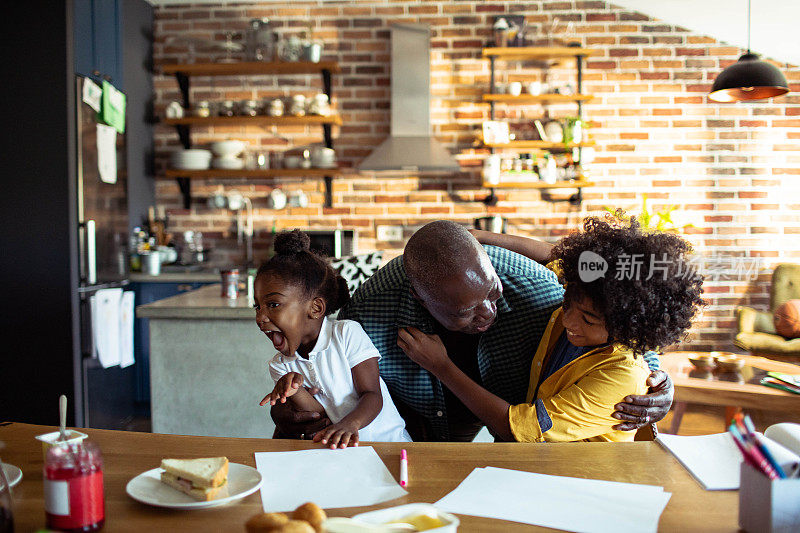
(106, 395)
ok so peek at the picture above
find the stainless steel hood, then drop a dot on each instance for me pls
(411, 145)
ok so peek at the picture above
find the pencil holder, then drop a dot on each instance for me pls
(768, 505)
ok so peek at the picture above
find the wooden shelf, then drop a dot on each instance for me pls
(571, 184)
(260, 120)
(537, 99)
(538, 145)
(251, 68)
(213, 173)
(539, 52)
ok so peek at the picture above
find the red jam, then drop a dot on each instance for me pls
(73, 488)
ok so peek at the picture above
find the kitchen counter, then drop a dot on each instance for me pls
(176, 277)
(208, 366)
(205, 302)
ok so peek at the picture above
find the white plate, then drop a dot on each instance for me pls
(147, 488)
(13, 474)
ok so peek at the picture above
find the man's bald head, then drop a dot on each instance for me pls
(452, 276)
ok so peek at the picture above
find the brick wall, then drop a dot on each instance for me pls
(732, 170)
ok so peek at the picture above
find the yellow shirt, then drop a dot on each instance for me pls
(579, 397)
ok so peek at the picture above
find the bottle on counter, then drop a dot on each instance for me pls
(73, 487)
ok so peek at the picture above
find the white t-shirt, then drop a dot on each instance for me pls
(342, 344)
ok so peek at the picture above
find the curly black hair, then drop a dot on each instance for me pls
(295, 263)
(650, 291)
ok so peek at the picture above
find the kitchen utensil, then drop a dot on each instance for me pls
(323, 157)
(275, 107)
(423, 514)
(341, 524)
(298, 105)
(319, 105)
(276, 199)
(312, 52)
(702, 362)
(491, 169)
(554, 131)
(249, 108)
(174, 110)
(493, 223)
(291, 49)
(227, 108)
(227, 163)
(228, 148)
(62, 417)
(297, 199)
(534, 88)
(515, 88)
(151, 262)
(202, 109)
(261, 40)
(292, 161)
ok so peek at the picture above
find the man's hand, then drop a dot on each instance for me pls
(636, 411)
(286, 386)
(294, 424)
(425, 350)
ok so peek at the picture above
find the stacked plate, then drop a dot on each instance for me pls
(227, 154)
(193, 159)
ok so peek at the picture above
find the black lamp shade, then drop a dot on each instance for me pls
(748, 79)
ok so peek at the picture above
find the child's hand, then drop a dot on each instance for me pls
(284, 388)
(339, 435)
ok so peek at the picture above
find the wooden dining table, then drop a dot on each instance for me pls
(435, 469)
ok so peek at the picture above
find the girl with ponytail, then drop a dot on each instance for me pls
(325, 365)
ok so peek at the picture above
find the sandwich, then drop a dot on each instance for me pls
(202, 479)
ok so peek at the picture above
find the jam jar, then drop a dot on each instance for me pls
(227, 109)
(249, 108)
(73, 488)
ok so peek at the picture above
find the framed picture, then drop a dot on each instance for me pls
(495, 132)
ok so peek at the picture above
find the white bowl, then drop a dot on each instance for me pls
(192, 152)
(228, 148)
(228, 163)
(292, 161)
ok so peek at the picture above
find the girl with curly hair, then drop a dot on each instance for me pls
(627, 291)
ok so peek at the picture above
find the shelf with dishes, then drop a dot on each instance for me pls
(252, 173)
(566, 184)
(291, 110)
(258, 120)
(554, 150)
(536, 98)
(538, 52)
(251, 68)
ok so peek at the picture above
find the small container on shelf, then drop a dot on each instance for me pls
(275, 107)
(319, 105)
(227, 108)
(249, 108)
(297, 107)
(202, 109)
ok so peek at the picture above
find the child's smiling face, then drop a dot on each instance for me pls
(289, 318)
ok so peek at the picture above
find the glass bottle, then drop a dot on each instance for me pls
(73, 488)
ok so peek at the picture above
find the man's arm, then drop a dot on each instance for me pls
(636, 411)
(291, 423)
(534, 249)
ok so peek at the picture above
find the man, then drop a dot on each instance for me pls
(490, 307)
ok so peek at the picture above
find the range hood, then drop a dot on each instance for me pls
(411, 145)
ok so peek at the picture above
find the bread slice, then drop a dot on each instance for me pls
(205, 473)
(199, 494)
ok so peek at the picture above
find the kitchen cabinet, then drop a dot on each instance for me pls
(545, 56)
(145, 293)
(183, 73)
(98, 43)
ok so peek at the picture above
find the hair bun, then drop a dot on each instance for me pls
(292, 242)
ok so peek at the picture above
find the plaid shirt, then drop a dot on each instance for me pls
(531, 293)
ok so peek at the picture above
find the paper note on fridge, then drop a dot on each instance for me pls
(714, 460)
(126, 311)
(92, 94)
(105, 306)
(353, 477)
(572, 504)
(107, 153)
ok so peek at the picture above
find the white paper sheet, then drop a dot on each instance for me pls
(107, 153)
(92, 94)
(105, 325)
(351, 477)
(126, 310)
(713, 460)
(559, 502)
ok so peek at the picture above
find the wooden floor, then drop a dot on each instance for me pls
(707, 419)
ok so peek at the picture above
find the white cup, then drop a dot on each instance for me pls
(515, 88)
(534, 88)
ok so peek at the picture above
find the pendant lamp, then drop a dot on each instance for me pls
(749, 78)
